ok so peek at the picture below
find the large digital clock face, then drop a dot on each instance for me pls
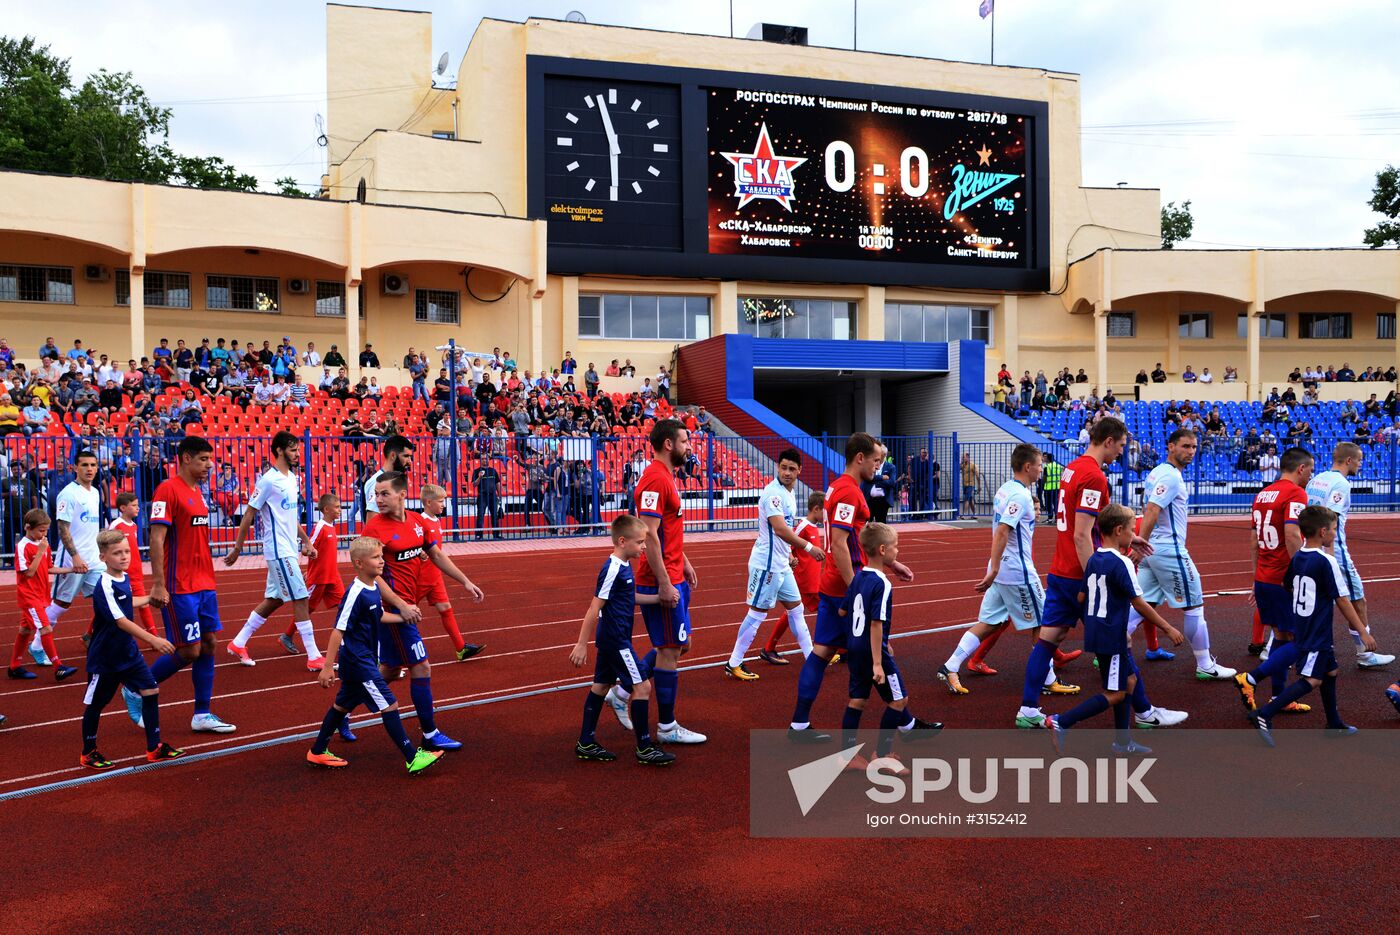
(809, 175)
(612, 162)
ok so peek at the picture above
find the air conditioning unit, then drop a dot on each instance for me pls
(394, 284)
(298, 286)
(95, 272)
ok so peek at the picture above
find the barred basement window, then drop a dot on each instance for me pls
(36, 284)
(436, 306)
(242, 294)
(330, 299)
(1122, 324)
(1385, 326)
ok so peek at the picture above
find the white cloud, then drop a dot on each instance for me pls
(1289, 163)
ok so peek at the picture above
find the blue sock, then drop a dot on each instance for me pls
(1276, 667)
(1329, 701)
(666, 681)
(202, 674)
(421, 691)
(1037, 667)
(649, 661)
(639, 724)
(150, 716)
(1123, 721)
(166, 666)
(329, 724)
(1085, 709)
(1139, 698)
(809, 685)
(850, 723)
(889, 722)
(1289, 695)
(592, 707)
(393, 726)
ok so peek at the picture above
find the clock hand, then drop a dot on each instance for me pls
(613, 148)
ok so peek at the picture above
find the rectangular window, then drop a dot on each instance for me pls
(162, 289)
(1270, 326)
(1385, 326)
(818, 319)
(1324, 325)
(1194, 326)
(436, 306)
(1122, 324)
(36, 284)
(644, 317)
(242, 294)
(910, 322)
(330, 300)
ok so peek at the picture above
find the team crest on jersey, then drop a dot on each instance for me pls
(1012, 509)
(1294, 509)
(651, 499)
(845, 512)
(1090, 499)
(158, 509)
(1161, 489)
(1337, 497)
(775, 502)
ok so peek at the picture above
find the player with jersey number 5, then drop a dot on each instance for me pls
(1168, 575)
(275, 502)
(1332, 489)
(79, 518)
(771, 579)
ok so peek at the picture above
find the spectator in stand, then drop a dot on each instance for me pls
(591, 381)
(1348, 414)
(373, 389)
(477, 372)
(1362, 434)
(77, 352)
(613, 369)
(309, 357)
(1295, 376)
(1206, 376)
(184, 360)
(299, 392)
(1004, 376)
(266, 354)
(999, 398)
(11, 417)
(647, 388)
(410, 358)
(220, 353)
(1289, 397)
(333, 357)
(49, 350)
(971, 480)
(262, 391)
(508, 364)
(1081, 376)
(1329, 375)
(1268, 465)
(568, 365)
(1041, 384)
(663, 384)
(1346, 374)
(1373, 406)
(628, 369)
(1312, 376)
(1158, 374)
(1188, 375)
(1141, 379)
(1027, 389)
(1391, 432)
(162, 351)
(36, 417)
(281, 392)
(368, 358)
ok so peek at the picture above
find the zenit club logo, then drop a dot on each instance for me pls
(971, 186)
(762, 174)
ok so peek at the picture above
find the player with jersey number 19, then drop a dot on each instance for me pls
(276, 502)
(1332, 489)
(771, 579)
(182, 582)
(1169, 575)
(663, 570)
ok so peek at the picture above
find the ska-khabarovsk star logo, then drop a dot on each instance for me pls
(762, 174)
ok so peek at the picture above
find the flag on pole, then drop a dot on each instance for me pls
(987, 8)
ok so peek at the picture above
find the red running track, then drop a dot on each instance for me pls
(513, 833)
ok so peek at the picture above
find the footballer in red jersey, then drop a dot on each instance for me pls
(846, 514)
(182, 582)
(408, 545)
(664, 570)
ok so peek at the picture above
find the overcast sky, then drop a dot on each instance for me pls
(1271, 116)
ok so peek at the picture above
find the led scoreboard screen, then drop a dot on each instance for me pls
(813, 176)
(659, 171)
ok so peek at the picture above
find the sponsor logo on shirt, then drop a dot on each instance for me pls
(407, 554)
(199, 521)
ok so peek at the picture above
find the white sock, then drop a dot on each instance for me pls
(620, 694)
(1193, 624)
(1355, 638)
(803, 726)
(967, 645)
(670, 726)
(1028, 712)
(1269, 644)
(308, 639)
(1050, 676)
(797, 623)
(53, 612)
(1134, 619)
(249, 628)
(747, 631)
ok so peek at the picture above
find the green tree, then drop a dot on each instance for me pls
(287, 185)
(1176, 223)
(107, 128)
(1385, 199)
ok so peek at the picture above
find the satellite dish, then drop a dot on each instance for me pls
(574, 16)
(441, 65)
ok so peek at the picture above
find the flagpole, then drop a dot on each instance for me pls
(993, 18)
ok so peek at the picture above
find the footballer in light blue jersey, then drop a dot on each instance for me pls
(1168, 575)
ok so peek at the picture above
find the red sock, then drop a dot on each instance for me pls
(1257, 635)
(1150, 635)
(50, 647)
(147, 620)
(987, 643)
(449, 623)
(292, 628)
(21, 647)
(779, 631)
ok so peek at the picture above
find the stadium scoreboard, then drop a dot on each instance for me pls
(679, 172)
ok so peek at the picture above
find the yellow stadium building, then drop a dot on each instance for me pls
(829, 231)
